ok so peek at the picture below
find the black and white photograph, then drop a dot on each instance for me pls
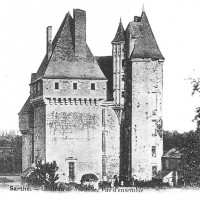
(99, 97)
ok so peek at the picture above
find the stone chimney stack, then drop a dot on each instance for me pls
(49, 41)
(80, 33)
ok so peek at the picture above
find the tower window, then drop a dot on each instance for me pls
(74, 86)
(103, 118)
(122, 93)
(92, 86)
(56, 85)
(123, 77)
(153, 151)
(123, 62)
(103, 142)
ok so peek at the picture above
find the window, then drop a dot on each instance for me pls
(31, 89)
(56, 85)
(103, 117)
(34, 88)
(74, 86)
(123, 62)
(153, 151)
(122, 93)
(39, 86)
(103, 142)
(92, 86)
(154, 170)
(71, 171)
(123, 77)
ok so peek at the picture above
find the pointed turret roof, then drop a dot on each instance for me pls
(145, 44)
(63, 63)
(119, 36)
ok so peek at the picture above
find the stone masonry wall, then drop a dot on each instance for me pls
(39, 131)
(26, 151)
(146, 115)
(66, 89)
(80, 32)
(24, 122)
(112, 144)
(74, 134)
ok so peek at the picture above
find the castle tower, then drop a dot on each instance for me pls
(118, 72)
(64, 118)
(142, 142)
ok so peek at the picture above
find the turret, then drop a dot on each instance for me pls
(118, 73)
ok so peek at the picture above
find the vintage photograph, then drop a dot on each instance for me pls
(99, 97)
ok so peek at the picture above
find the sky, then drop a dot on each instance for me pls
(175, 24)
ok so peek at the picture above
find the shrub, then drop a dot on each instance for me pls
(88, 178)
(44, 175)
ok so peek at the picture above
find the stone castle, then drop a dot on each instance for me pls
(97, 115)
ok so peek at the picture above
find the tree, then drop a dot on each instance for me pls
(190, 159)
(44, 175)
(190, 164)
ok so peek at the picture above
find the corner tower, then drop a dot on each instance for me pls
(142, 142)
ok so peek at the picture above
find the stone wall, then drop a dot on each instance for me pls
(39, 131)
(80, 32)
(112, 144)
(24, 122)
(66, 89)
(26, 151)
(74, 134)
(146, 116)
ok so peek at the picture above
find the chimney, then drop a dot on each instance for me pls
(137, 19)
(49, 41)
(80, 33)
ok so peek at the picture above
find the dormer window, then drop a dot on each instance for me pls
(38, 86)
(74, 86)
(31, 89)
(92, 86)
(56, 85)
(34, 89)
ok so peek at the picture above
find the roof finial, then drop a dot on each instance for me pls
(120, 21)
(143, 10)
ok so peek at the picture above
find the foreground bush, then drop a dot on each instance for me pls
(44, 175)
(88, 178)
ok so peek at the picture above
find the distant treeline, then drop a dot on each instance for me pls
(178, 140)
(11, 161)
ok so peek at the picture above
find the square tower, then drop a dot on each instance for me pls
(141, 128)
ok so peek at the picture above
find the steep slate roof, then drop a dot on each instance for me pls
(25, 108)
(119, 36)
(172, 153)
(145, 43)
(63, 63)
(106, 65)
(161, 174)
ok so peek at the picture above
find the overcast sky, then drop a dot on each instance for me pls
(175, 24)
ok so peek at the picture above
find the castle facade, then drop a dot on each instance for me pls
(97, 115)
